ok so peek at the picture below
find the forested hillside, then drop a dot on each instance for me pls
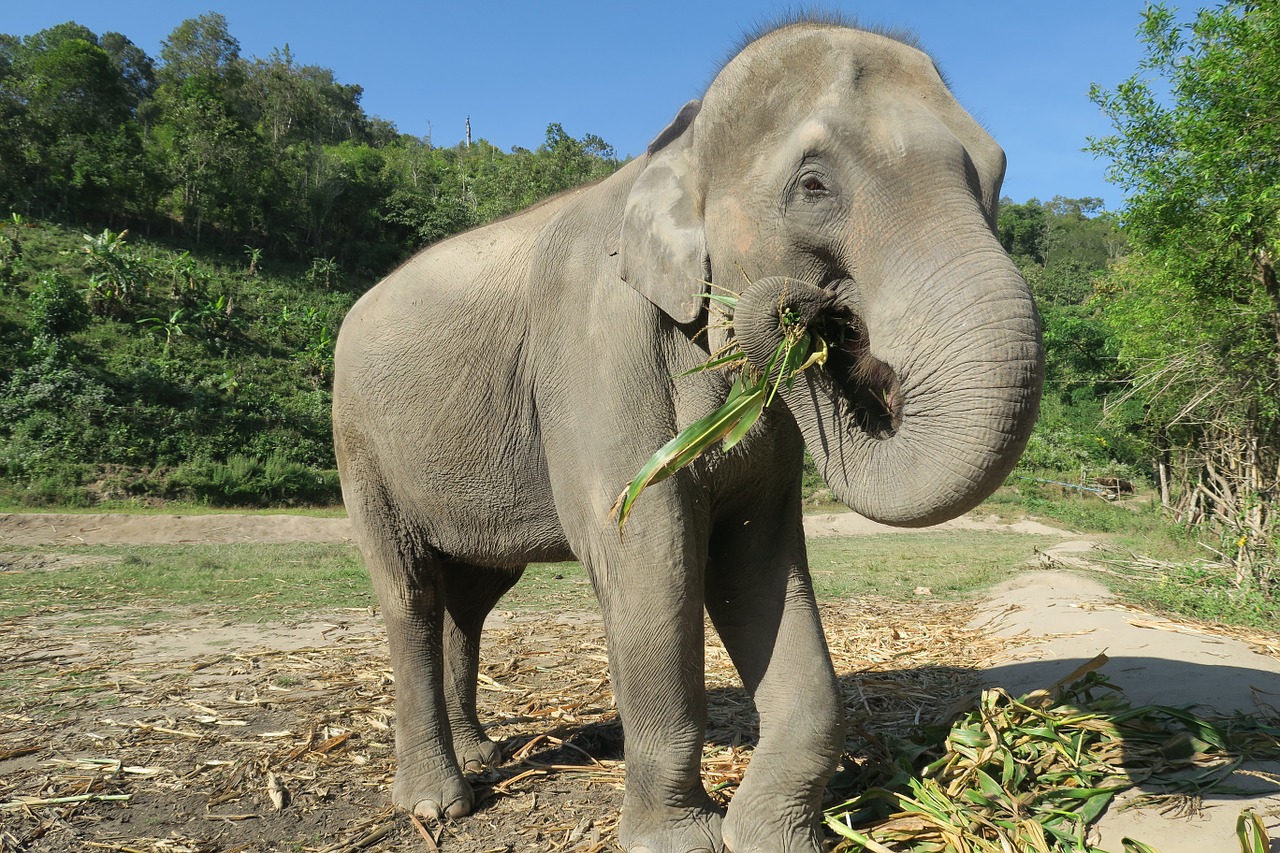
(1064, 248)
(181, 238)
(207, 147)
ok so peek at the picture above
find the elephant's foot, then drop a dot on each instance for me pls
(690, 830)
(432, 796)
(758, 827)
(476, 753)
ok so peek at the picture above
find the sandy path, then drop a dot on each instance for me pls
(42, 529)
(1067, 620)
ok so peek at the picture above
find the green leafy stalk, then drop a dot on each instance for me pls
(1033, 773)
(1252, 833)
(798, 350)
(726, 423)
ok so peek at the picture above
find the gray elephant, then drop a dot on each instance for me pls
(494, 395)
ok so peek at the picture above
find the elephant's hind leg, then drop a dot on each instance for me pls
(470, 593)
(407, 576)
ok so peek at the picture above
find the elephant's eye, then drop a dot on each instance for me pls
(813, 185)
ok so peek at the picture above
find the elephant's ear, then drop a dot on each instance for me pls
(663, 244)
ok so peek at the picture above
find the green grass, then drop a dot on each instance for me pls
(950, 564)
(265, 582)
(1079, 511)
(254, 583)
(1157, 565)
(1200, 591)
(143, 507)
(246, 582)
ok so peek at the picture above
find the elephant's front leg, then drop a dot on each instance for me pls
(650, 591)
(761, 601)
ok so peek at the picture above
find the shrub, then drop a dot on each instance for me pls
(249, 481)
(56, 307)
(51, 413)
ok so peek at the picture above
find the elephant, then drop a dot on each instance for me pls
(494, 395)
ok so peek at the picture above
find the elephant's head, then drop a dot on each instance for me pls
(829, 172)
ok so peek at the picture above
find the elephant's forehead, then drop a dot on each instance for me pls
(784, 77)
(820, 56)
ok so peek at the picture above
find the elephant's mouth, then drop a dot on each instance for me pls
(868, 387)
(865, 391)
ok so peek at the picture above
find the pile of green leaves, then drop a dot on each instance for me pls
(752, 392)
(1033, 773)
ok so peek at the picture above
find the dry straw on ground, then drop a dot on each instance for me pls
(281, 739)
(290, 747)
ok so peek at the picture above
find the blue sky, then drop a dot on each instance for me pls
(621, 71)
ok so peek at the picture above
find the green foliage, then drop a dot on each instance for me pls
(1082, 511)
(52, 412)
(1063, 249)
(1204, 205)
(227, 150)
(1201, 590)
(56, 307)
(184, 364)
(118, 277)
(1196, 309)
(1022, 230)
(750, 395)
(12, 262)
(1037, 771)
(201, 366)
(253, 482)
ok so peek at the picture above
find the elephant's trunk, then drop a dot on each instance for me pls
(927, 400)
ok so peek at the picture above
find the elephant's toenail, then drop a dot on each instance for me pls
(429, 809)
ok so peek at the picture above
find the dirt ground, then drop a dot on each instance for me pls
(196, 734)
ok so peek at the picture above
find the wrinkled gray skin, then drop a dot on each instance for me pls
(494, 395)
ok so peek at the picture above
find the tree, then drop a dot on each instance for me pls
(81, 146)
(204, 140)
(303, 103)
(199, 46)
(1022, 229)
(1197, 309)
(1063, 248)
(137, 71)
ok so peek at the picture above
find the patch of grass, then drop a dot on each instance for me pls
(554, 586)
(144, 506)
(1157, 565)
(1080, 511)
(950, 564)
(254, 583)
(249, 582)
(1199, 590)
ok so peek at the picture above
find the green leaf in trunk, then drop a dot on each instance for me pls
(748, 398)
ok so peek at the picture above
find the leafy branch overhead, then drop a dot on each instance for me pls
(1196, 308)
